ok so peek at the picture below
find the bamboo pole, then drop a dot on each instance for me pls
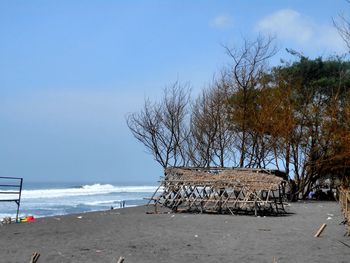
(320, 230)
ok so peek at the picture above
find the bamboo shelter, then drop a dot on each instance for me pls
(221, 190)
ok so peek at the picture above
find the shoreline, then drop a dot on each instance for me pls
(13, 217)
(46, 200)
(104, 236)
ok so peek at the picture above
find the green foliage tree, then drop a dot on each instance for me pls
(318, 94)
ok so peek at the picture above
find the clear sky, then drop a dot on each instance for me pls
(71, 70)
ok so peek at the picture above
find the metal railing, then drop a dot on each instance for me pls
(11, 191)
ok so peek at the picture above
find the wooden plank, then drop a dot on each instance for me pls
(320, 230)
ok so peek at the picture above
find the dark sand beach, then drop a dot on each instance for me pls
(141, 237)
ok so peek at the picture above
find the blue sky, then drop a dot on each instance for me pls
(71, 70)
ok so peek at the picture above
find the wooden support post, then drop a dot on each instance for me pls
(255, 208)
(150, 200)
(320, 230)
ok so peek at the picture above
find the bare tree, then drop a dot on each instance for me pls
(223, 147)
(203, 130)
(211, 137)
(161, 127)
(343, 27)
(175, 118)
(249, 64)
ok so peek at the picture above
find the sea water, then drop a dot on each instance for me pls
(51, 199)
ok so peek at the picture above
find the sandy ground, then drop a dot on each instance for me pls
(141, 237)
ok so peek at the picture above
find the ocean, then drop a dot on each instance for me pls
(52, 199)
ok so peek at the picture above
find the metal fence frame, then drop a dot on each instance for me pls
(14, 186)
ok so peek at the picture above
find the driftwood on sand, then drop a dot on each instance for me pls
(34, 258)
(320, 230)
(221, 190)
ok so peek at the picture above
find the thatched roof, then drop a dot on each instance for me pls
(237, 178)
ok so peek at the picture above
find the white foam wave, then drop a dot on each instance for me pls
(108, 202)
(86, 190)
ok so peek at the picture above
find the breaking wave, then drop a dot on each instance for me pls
(86, 190)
